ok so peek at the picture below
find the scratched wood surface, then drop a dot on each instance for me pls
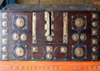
(58, 2)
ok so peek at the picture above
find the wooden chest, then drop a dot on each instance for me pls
(49, 33)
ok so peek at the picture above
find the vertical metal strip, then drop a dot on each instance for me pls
(65, 27)
(34, 27)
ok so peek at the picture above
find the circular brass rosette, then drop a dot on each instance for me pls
(94, 24)
(79, 22)
(20, 22)
(94, 49)
(49, 56)
(19, 51)
(23, 37)
(83, 37)
(79, 52)
(4, 49)
(49, 38)
(75, 37)
(15, 36)
(4, 23)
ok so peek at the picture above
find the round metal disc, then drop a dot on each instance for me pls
(79, 52)
(20, 22)
(19, 51)
(79, 22)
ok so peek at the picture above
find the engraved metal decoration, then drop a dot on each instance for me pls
(94, 15)
(94, 57)
(63, 50)
(65, 27)
(94, 32)
(83, 37)
(34, 27)
(23, 37)
(49, 26)
(79, 22)
(34, 49)
(4, 49)
(4, 57)
(20, 22)
(20, 51)
(94, 41)
(15, 36)
(48, 56)
(4, 41)
(94, 24)
(4, 32)
(4, 15)
(79, 52)
(49, 48)
(75, 37)
(4, 23)
(94, 49)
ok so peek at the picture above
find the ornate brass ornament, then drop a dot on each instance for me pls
(49, 48)
(4, 23)
(63, 49)
(79, 52)
(4, 32)
(4, 49)
(75, 37)
(94, 24)
(23, 37)
(4, 15)
(34, 49)
(4, 57)
(4, 41)
(94, 41)
(94, 31)
(19, 51)
(94, 49)
(34, 27)
(94, 57)
(15, 36)
(79, 22)
(48, 56)
(20, 22)
(94, 15)
(83, 37)
(49, 25)
(65, 27)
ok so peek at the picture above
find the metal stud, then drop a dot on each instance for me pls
(34, 49)
(94, 49)
(4, 23)
(94, 57)
(63, 49)
(4, 49)
(4, 15)
(48, 56)
(4, 41)
(4, 57)
(94, 15)
(49, 48)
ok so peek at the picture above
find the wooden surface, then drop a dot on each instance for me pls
(49, 66)
(58, 2)
(58, 21)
